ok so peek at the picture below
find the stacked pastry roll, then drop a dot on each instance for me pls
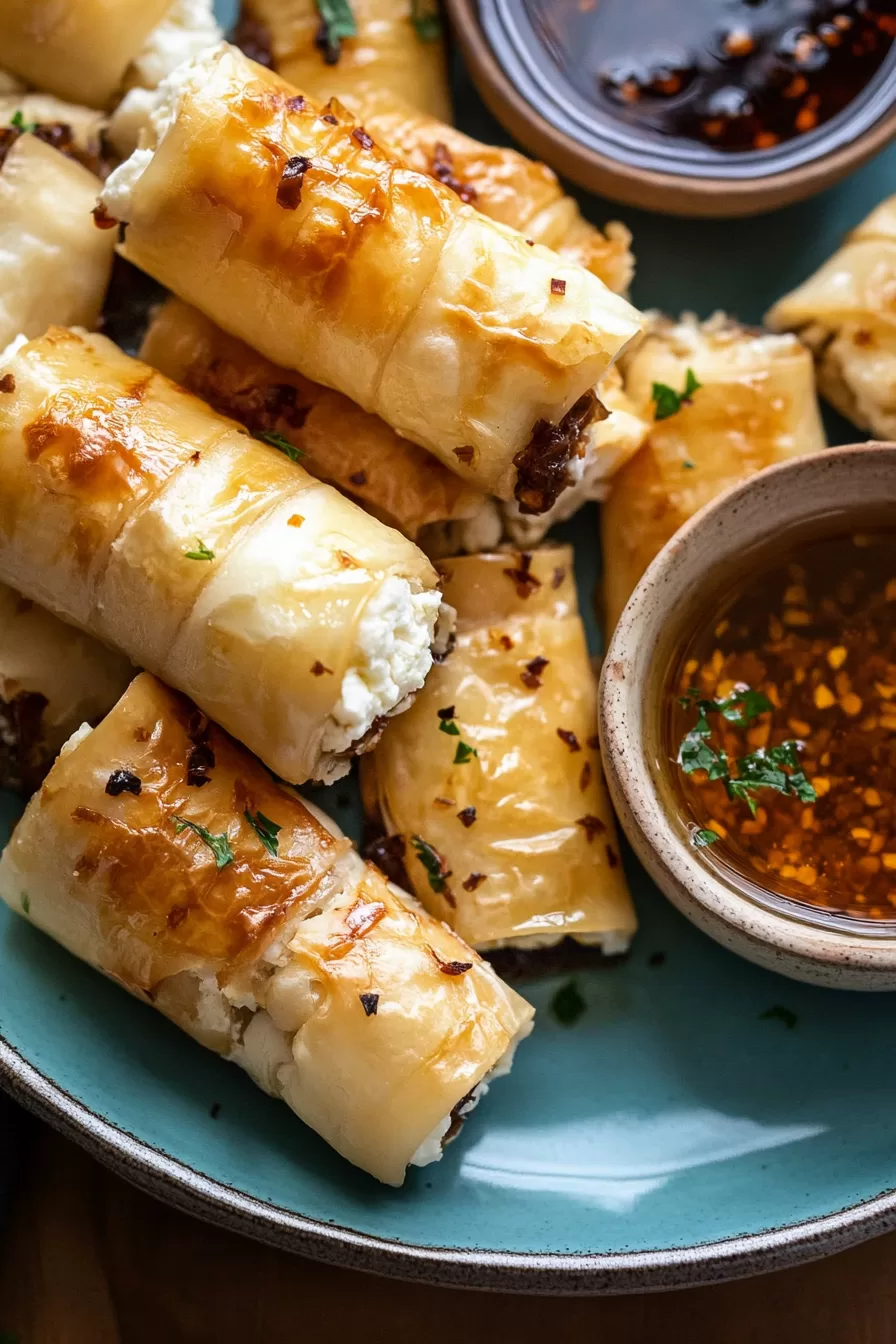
(129, 508)
(490, 789)
(289, 227)
(162, 854)
(845, 314)
(755, 405)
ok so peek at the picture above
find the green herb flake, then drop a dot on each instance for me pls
(464, 753)
(668, 402)
(266, 830)
(426, 20)
(26, 903)
(450, 727)
(704, 837)
(568, 1005)
(688, 465)
(283, 445)
(338, 22)
(432, 862)
(778, 1013)
(17, 120)
(218, 844)
(201, 552)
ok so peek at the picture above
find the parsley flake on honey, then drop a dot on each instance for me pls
(218, 844)
(426, 21)
(568, 1005)
(464, 753)
(336, 22)
(18, 122)
(266, 830)
(704, 837)
(668, 402)
(200, 552)
(450, 727)
(436, 869)
(283, 445)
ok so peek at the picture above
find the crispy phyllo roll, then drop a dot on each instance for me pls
(845, 313)
(52, 678)
(54, 263)
(396, 45)
(754, 404)
(161, 853)
(133, 510)
(291, 229)
(337, 441)
(490, 791)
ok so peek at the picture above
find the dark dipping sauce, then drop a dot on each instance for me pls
(816, 637)
(733, 74)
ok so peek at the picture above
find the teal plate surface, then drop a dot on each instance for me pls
(674, 1135)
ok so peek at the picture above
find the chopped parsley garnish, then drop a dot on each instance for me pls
(266, 830)
(688, 465)
(464, 753)
(426, 21)
(450, 727)
(337, 21)
(433, 863)
(201, 552)
(778, 1013)
(668, 401)
(567, 1005)
(18, 121)
(26, 903)
(218, 844)
(284, 445)
(705, 836)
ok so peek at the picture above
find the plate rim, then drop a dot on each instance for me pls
(543, 1273)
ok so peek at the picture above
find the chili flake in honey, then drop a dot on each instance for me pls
(782, 727)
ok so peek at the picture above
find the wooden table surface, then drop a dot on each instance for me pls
(89, 1260)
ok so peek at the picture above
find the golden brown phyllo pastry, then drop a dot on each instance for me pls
(755, 406)
(161, 853)
(52, 678)
(54, 263)
(491, 787)
(393, 478)
(291, 229)
(131, 509)
(846, 314)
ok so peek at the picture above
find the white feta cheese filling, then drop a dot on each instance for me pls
(612, 942)
(393, 654)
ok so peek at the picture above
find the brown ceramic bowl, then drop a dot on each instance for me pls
(493, 37)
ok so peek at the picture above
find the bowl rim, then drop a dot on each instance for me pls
(806, 948)
(546, 1274)
(674, 193)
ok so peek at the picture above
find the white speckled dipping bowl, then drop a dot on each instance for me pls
(715, 544)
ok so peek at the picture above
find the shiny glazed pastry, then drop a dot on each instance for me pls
(52, 678)
(389, 50)
(54, 263)
(491, 785)
(845, 313)
(356, 451)
(291, 229)
(131, 509)
(162, 854)
(756, 405)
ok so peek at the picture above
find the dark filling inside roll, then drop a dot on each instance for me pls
(543, 465)
(24, 758)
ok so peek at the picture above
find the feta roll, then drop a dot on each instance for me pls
(845, 313)
(162, 854)
(396, 45)
(338, 442)
(54, 263)
(491, 788)
(291, 229)
(52, 678)
(755, 405)
(131, 509)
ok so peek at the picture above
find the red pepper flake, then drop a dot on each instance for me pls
(347, 561)
(328, 116)
(101, 217)
(592, 826)
(362, 137)
(559, 576)
(531, 677)
(363, 916)
(194, 458)
(443, 804)
(464, 454)
(593, 742)
(530, 242)
(467, 815)
(81, 813)
(295, 520)
(566, 735)
(446, 713)
(451, 967)
(473, 881)
(862, 337)
(443, 170)
(7, 383)
(612, 857)
(358, 478)
(296, 103)
(176, 916)
(558, 286)
(200, 760)
(318, 669)
(370, 1003)
(585, 776)
(123, 781)
(521, 575)
(289, 190)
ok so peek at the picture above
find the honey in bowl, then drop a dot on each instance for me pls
(780, 730)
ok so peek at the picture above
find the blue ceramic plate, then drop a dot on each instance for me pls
(675, 1134)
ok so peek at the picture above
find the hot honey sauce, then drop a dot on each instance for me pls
(780, 727)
